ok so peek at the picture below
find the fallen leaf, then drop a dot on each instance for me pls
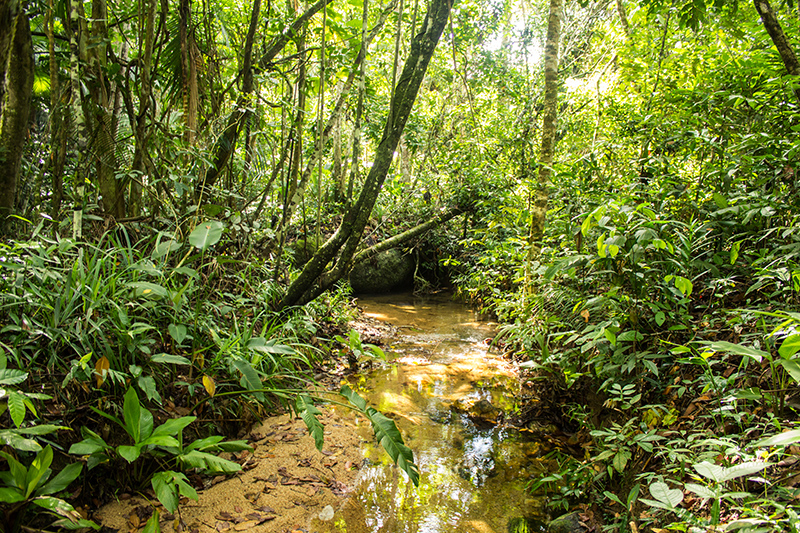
(245, 525)
(222, 526)
(266, 509)
(225, 515)
(237, 508)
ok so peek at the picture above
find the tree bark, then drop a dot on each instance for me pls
(16, 85)
(780, 41)
(310, 283)
(549, 120)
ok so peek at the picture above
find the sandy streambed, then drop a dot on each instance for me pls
(285, 483)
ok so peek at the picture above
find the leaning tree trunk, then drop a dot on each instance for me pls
(780, 41)
(311, 282)
(539, 211)
(16, 85)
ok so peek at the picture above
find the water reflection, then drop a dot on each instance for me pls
(447, 393)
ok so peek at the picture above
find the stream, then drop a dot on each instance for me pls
(447, 392)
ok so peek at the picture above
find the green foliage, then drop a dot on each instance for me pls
(357, 350)
(162, 444)
(21, 487)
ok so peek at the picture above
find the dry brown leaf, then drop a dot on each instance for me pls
(222, 526)
(245, 525)
(101, 369)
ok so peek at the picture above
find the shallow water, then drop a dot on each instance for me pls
(473, 470)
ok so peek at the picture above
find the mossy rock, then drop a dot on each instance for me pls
(568, 523)
(387, 272)
(302, 250)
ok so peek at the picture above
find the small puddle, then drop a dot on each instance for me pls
(448, 393)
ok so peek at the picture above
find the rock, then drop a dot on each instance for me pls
(326, 513)
(482, 413)
(302, 250)
(568, 523)
(386, 272)
(523, 524)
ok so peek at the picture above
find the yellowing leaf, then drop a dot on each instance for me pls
(101, 369)
(208, 383)
(585, 314)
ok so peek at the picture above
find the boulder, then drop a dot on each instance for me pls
(568, 523)
(388, 271)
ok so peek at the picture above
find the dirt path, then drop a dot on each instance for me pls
(284, 484)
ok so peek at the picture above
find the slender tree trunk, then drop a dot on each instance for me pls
(780, 41)
(188, 71)
(77, 45)
(311, 282)
(103, 116)
(322, 142)
(549, 120)
(141, 123)
(362, 83)
(57, 130)
(16, 85)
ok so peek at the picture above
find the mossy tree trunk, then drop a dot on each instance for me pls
(549, 123)
(16, 85)
(314, 279)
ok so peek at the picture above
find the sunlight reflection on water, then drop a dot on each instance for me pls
(472, 478)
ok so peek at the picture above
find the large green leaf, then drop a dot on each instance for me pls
(308, 412)
(138, 420)
(168, 485)
(250, 378)
(781, 439)
(720, 474)
(792, 368)
(129, 453)
(62, 480)
(738, 349)
(661, 492)
(39, 470)
(789, 346)
(206, 234)
(172, 427)
(147, 289)
(208, 462)
(387, 435)
(262, 345)
(10, 376)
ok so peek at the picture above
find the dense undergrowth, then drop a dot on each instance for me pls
(125, 364)
(661, 335)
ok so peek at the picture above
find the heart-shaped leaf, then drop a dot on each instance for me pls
(661, 492)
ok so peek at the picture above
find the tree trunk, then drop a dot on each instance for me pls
(16, 85)
(539, 210)
(402, 238)
(780, 41)
(311, 282)
(140, 123)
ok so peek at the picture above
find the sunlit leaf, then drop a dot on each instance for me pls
(101, 368)
(309, 412)
(208, 383)
(661, 492)
(781, 439)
